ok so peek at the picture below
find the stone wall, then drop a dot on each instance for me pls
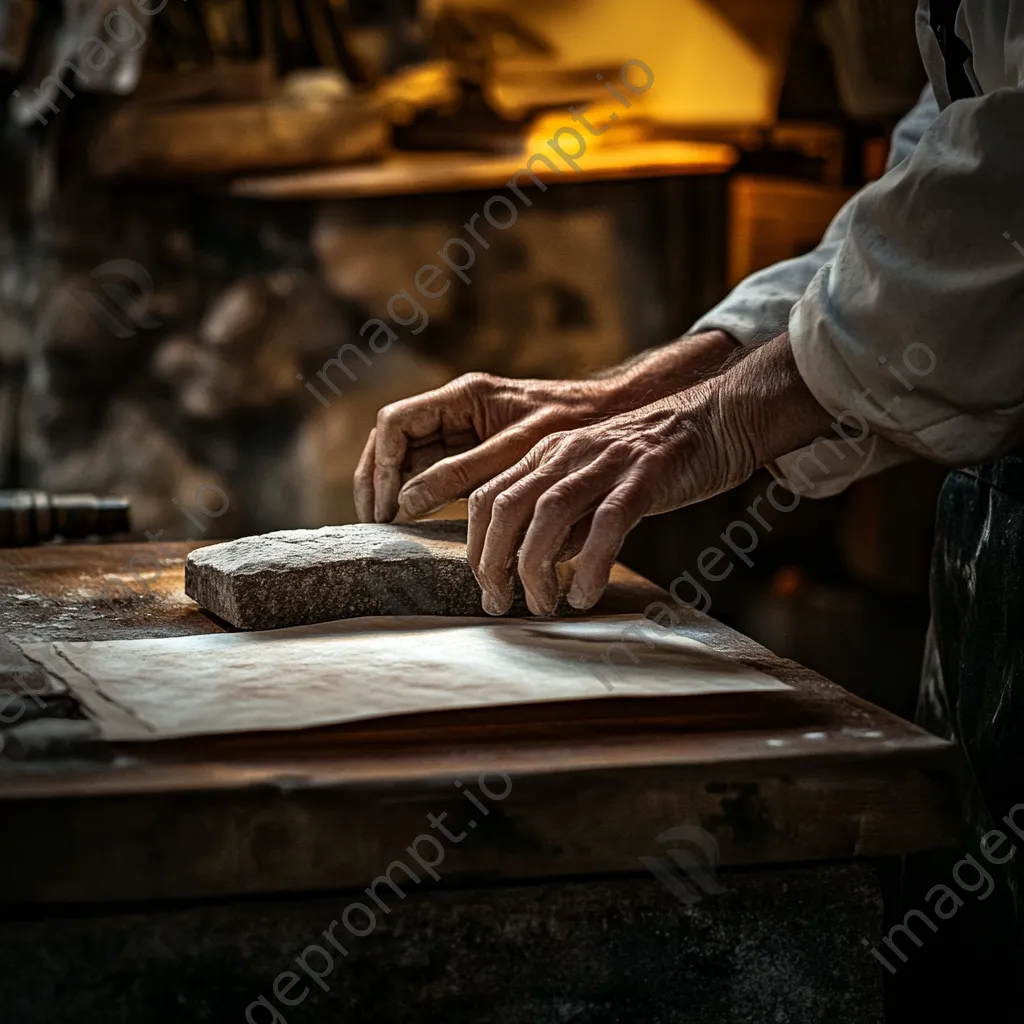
(157, 342)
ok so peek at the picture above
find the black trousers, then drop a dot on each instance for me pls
(969, 960)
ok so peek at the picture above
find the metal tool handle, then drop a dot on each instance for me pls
(34, 517)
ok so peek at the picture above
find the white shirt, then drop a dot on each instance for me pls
(909, 316)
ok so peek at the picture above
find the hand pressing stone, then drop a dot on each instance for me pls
(296, 577)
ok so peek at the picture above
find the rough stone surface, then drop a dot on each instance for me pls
(295, 577)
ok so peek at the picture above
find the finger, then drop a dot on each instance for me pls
(456, 476)
(479, 509)
(481, 503)
(450, 413)
(364, 481)
(421, 457)
(555, 513)
(420, 417)
(411, 422)
(614, 518)
(511, 513)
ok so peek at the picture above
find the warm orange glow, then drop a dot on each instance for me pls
(714, 62)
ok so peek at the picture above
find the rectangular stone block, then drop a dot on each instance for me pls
(297, 577)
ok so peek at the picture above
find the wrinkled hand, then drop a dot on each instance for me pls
(457, 437)
(585, 489)
(451, 440)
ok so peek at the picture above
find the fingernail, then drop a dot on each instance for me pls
(539, 605)
(576, 596)
(497, 603)
(415, 500)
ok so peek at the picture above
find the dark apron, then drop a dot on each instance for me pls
(972, 691)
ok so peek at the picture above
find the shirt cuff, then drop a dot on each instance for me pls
(892, 393)
(856, 447)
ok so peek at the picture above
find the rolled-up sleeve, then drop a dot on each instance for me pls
(917, 324)
(761, 306)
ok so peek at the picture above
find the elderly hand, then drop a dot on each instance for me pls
(456, 438)
(598, 481)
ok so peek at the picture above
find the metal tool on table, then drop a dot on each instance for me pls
(34, 517)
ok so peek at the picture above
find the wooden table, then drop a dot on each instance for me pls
(203, 868)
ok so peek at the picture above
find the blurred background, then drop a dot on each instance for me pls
(202, 201)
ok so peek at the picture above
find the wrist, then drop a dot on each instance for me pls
(763, 405)
(665, 371)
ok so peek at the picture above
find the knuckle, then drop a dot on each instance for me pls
(622, 450)
(649, 463)
(528, 560)
(479, 501)
(389, 416)
(611, 516)
(488, 564)
(491, 569)
(552, 505)
(534, 559)
(476, 381)
(452, 474)
(503, 507)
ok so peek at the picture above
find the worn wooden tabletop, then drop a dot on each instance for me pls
(808, 774)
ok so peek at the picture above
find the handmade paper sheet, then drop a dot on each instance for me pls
(357, 669)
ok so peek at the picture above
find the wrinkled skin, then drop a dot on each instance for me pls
(557, 471)
(607, 477)
(455, 438)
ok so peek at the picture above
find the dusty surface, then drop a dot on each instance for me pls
(298, 577)
(809, 774)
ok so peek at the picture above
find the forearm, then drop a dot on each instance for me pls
(756, 311)
(763, 403)
(660, 372)
(759, 307)
(758, 409)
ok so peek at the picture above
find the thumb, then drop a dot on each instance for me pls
(457, 476)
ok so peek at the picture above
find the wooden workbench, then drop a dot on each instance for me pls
(213, 861)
